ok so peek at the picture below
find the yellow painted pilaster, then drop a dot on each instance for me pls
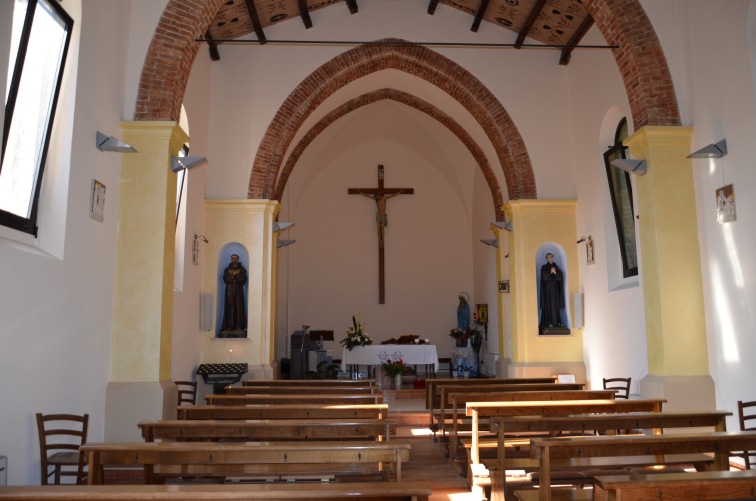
(671, 263)
(249, 223)
(535, 223)
(143, 313)
(504, 306)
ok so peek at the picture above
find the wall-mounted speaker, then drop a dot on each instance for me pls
(206, 311)
(578, 301)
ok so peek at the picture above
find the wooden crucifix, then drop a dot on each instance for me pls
(381, 195)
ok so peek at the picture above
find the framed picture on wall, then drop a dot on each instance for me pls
(97, 201)
(589, 258)
(725, 204)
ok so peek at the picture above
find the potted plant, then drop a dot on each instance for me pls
(393, 370)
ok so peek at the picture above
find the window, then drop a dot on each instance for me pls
(621, 192)
(40, 39)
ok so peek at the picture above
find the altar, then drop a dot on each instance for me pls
(376, 354)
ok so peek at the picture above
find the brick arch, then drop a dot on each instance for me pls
(410, 100)
(415, 60)
(641, 61)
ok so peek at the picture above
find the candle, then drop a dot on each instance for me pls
(229, 355)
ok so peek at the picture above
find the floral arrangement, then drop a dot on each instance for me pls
(461, 336)
(392, 369)
(355, 335)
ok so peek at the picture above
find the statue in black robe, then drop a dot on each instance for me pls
(552, 293)
(234, 311)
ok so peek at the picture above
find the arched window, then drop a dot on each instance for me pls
(621, 192)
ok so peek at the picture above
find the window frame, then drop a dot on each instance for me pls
(9, 219)
(618, 150)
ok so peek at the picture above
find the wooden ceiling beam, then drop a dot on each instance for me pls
(352, 4)
(212, 47)
(564, 59)
(432, 7)
(305, 14)
(529, 22)
(255, 21)
(479, 15)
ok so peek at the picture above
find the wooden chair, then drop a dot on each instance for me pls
(60, 436)
(747, 418)
(621, 385)
(187, 392)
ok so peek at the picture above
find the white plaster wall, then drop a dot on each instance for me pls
(613, 317)
(722, 105)
(330, 273)
(57, 311)
(186, 307)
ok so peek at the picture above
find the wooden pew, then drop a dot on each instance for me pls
(442, 391)
(701, 486)
(310, 390)
(288, 411)
(430, 385)
(476, 410)
(308, 382)
(386, 491)
(293, 398)
(504, 427)
(243, 458)
(460, 399)
(266, 429)
(553, 451)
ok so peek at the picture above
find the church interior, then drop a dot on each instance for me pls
(611, 135)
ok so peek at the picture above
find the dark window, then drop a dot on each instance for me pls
(39, 43)
(621, 192)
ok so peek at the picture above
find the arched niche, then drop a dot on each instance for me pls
(560, 258)
(224, 259)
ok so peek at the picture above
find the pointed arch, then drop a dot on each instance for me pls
(408, 99)
(415, 60)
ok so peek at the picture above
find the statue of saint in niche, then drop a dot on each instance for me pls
(234, 306)
(552, 294)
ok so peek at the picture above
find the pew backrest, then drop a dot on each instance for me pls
(284, 411)
(293, 398)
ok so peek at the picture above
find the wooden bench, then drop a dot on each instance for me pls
(306, 398)
(266, 429)
(288, 411)
(442, 402)
(458, 400)
(244, 458)
(430, 385)
(701, 486)
(657, 422)
(476, 410)
(556, 451)
(308, 382)
(310, 390)
(387, 491)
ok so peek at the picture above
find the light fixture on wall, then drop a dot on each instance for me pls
(491, 242)
(582, 239)
(179, 163)
(504, 225)
(284, 243)
(201, 237)
(638, 167)
(110, 143)
(281, 226)
(714, 150)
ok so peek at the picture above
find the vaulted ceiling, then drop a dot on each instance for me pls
(561, 23)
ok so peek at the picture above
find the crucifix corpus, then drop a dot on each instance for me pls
(381, 195)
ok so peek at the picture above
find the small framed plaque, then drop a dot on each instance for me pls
(97, 201)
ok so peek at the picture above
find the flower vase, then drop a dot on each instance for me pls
(396, 381)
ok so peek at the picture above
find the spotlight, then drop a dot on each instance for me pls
(491, 242)
(637, 167)
(179, 163)
(110, 143)
(714, 150)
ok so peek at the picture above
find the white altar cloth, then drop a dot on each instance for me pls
(376, 354)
